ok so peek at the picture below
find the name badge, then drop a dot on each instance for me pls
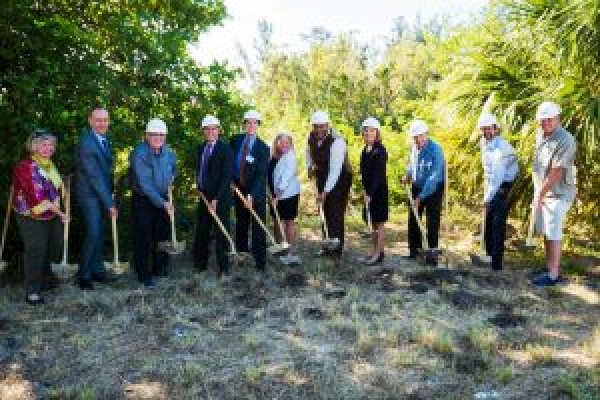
(249, 159)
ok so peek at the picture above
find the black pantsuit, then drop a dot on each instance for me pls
(150, 227)
(374, 180)
(432, 205)
(495, 226)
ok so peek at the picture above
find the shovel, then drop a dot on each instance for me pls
(424, 241)
(63, 269)
(172, 247)
(3, 263)
(529, 243)
(275, 248)
(328, 243)
(236, 258)
(372, 231)
(284, 242)
(482, 257)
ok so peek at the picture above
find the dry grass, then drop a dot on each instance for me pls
(350, 332)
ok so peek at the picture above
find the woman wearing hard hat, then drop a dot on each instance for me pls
(152, 170)
(373, 162)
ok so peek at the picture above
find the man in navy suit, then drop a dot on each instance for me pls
(250, 165)
(213, 180)
(93, 191)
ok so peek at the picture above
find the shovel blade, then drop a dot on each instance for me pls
(277, 249)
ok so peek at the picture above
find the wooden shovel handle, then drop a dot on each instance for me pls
(278, 218)
(6, 219)
(416, 214)
(218, 221)
(254, 214)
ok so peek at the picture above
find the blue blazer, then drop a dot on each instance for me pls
(93, 170)
(255, 179)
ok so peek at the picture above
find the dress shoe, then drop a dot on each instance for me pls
(85, 285)
(104, 278)
(431, 261)
(410, 257)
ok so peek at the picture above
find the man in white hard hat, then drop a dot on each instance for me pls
(250, 167)
(213, 179)
(327, 161)
(152, 168)
(500, 168)
(554, 186)
(426, 173)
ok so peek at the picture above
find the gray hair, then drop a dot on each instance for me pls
(38, 136)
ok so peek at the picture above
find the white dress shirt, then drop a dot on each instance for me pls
(285, 176)
(500, 164)
(337, 155)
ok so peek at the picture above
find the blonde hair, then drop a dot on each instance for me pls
(275, 149)
(377, 134)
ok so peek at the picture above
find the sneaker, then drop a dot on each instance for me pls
(34, 299)
(285, 260)
(294, 259)
(546, 280)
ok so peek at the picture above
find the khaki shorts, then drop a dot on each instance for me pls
(550, 218)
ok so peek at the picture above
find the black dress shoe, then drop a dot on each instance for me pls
(85, 285)
(104, 278)
(431, 261)
(376, 261)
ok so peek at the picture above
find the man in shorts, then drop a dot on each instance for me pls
(554, 187)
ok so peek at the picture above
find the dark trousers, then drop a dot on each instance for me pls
(334, 209)
(42, 241)
(205, 225)
(432, 205)
(92, 263)
(495, 225)
(150, 227)
(244, 221)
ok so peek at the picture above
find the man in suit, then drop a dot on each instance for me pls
(250, 165)
(93, 191)
(213, 180)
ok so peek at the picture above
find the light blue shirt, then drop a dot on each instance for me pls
(238, 159)
(500, 164)
(426, 167)
(152, 173)
(101, 139)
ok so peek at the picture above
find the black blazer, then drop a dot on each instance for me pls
(255, 182)
(219, 173)
(373, 169)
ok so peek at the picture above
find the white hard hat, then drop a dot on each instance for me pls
(487, 120)
(210, 120)
(371, 123)
(319, 117)
(417, 127)
(252, 114)
(547, 109)
(156, 125)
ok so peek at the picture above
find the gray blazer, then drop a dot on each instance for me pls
(93, 170)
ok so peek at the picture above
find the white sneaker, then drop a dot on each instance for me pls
(294, 259)
(285, 260)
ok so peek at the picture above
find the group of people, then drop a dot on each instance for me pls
(244, 173)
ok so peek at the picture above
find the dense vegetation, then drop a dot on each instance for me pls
(60, 58)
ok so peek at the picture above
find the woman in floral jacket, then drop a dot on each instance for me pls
(36, 200)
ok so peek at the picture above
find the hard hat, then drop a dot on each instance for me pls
(156, 125)
(319, 117)
(547, 109)
(487, 120)
(371, 123)
(252, 114)
(210, 120)
(417, 127)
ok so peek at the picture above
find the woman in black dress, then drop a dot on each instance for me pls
(373, 162)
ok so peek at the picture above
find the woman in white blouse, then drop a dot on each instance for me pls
(284, 187)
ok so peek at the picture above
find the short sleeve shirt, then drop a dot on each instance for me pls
(555, 151)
